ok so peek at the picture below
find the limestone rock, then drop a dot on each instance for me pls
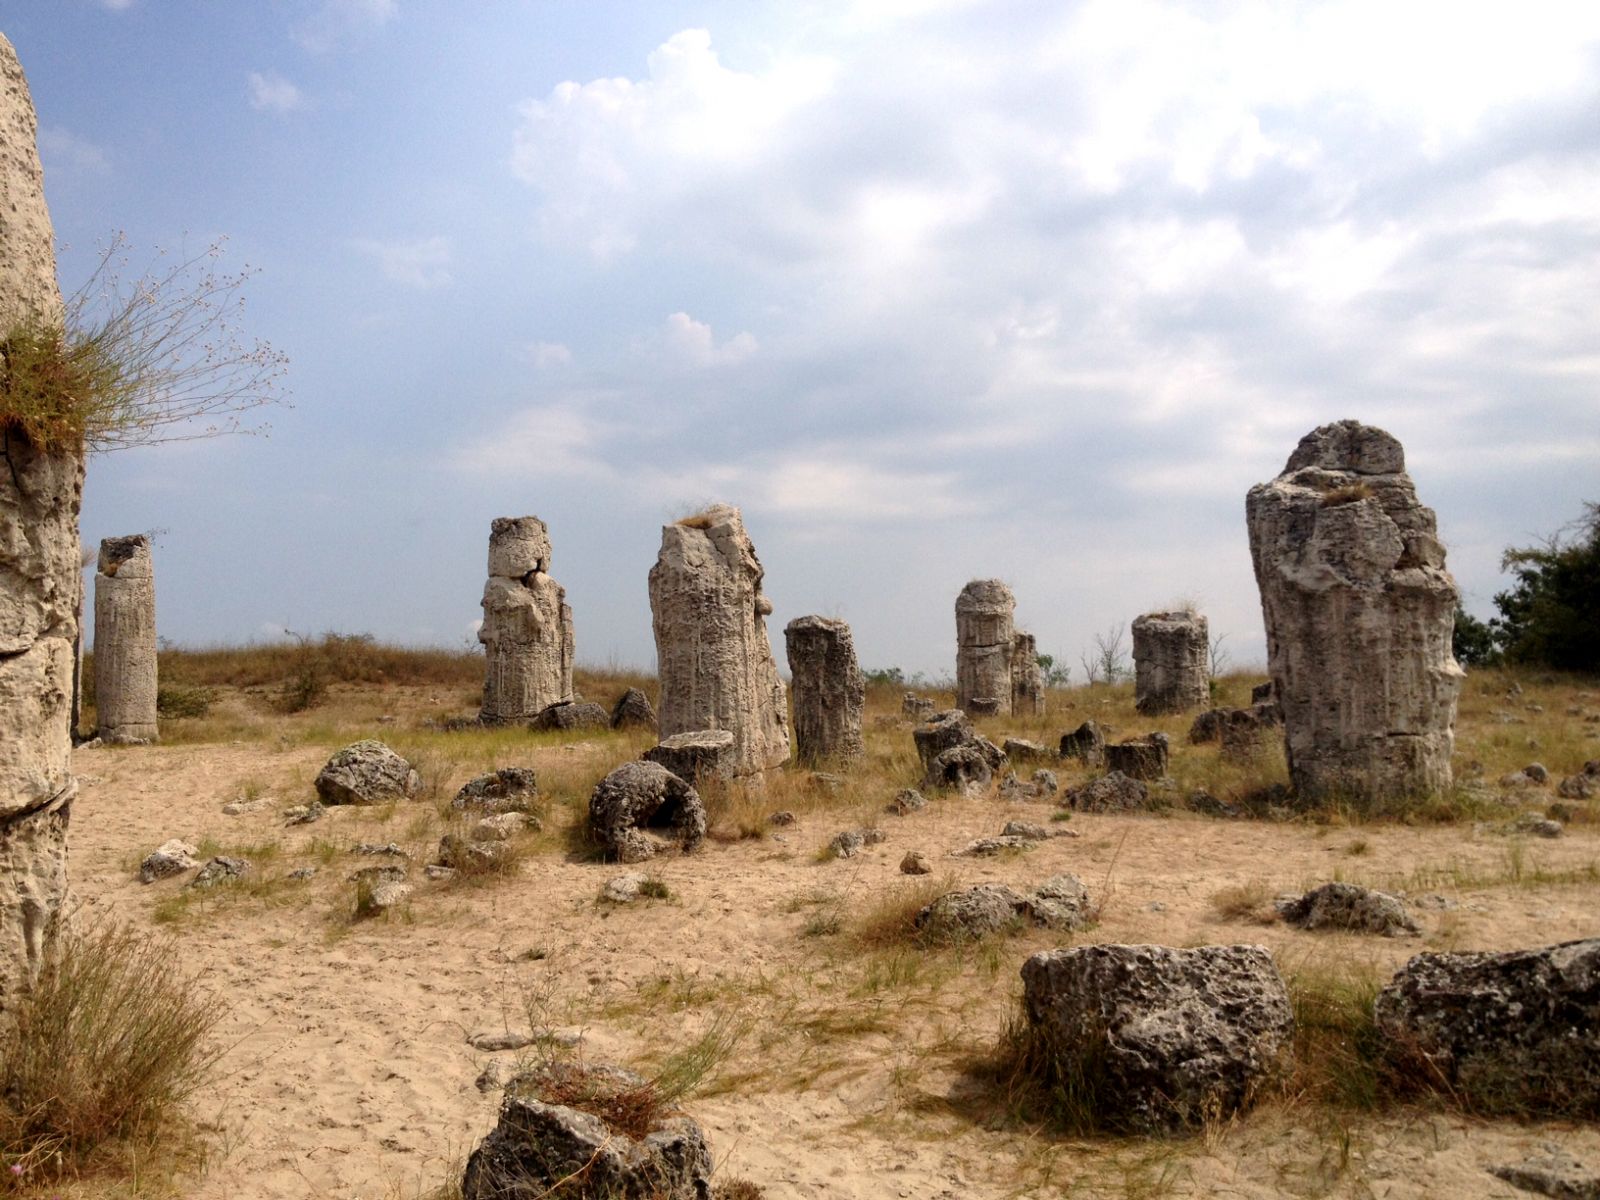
(1061, 903)
(502, 827)
(1020, 750)
(954, 755)
(984, 644)
(697, 755)
(1517, 1031)
(829, 691)
(908, 800)
(1552, 1172)
(1359, 613)
(1139, 758)
(571, 715)
(915, 863)
(1584, 786)
(916, 707)
(1263, 693)
(641, 801)
(367, 772)
(989, 847)
(1171, 662)
(527, 631)
(1027, 678)
(547, 1134)
(633, 711)
(851, 842)
(1348, 907)
(125, 641)
(1175, 1036)
(1214, 724)
(510, 789)
(974, 913)
(221, 869)
(1086, 742)
(168, 859)
(624, 888)
(1112, 792)
(714, 659)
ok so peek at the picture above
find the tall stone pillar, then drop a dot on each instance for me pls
(984, 635)
(125, 641)
(527, 626)
(1171, 662)
(40, 490)
(829, 692)
(1359, 612)
(712, 652)
(1027, 680)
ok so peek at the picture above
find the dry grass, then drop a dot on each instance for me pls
(1250, 902)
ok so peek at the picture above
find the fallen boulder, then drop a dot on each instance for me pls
(367, 772)
(641, 807)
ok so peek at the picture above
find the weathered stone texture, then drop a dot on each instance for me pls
(829, 692)
(984, 637)
(125, 640)
(695, 756)
(1171, 662)
(638, 801)
(40, 584)
(527, 630)
(367, 772)
(712, 653)
(1359, 613)
(1027, 677)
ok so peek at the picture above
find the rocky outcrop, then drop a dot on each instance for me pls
(367, 772)
(1158, 1038)
(166, 860)
(633, 710)
(1234, 725)
(1060, 903)
(1027, 677)
(954, 755)
(1139, 758)
(641, 808)
(571, 716)
(1112, 792)
(712, 653)
(125, 641)
(1171, 662)
(510, 789)
(1350, 908)
(1359, 613)
(984, 645)
(569, 1122)
(1087, 742)
(40, 583)
(829, 692)
(1515, 1032)
(696, 756)
(527, 630)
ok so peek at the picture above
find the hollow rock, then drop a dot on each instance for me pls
(643, 806)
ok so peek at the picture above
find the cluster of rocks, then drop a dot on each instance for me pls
(177, 857)
(1015, 836)
(954, 754)
(1241, 732)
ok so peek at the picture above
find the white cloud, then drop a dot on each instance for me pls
(334, 22)
(545, 355)
(116, 5)
(271, 92)
(692, 342)
(60, 151)
(419, 263)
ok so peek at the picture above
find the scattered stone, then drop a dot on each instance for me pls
(915, 863)
(832, 784)
(496, 1074)
(633, 710)
(303, 814)
(219, 870)
(852, 841)
(624, 889)
(510, 789)
(367, 772)
(373, 876)
(696, 756)
(1139, 758)
(491, 1041)
(972, 914)
(908, 800)
(1436, 902)
(1583, 786)
(782, 817)
(1045, 784)
(1517, 1031)
(641, 803)
(381, 897)
(984, 640)
(1563, 812)
(571, 715)
(1171, 662)
(1537, 773)
(1112, 792)
(504, 826)
(1536, 826)
(829, 692)
(527, 631)
(1176, 1037)
(1202, 801)
(715, 662)
(1061, 903)
(541, 1142)
(440, 872)
(387, 850)
(1348, 907)
(302, 873)
(458, 853)
(1087, 742)
(990, 846)
(1020, 750)
(1551, 1172)
(238, 808)
(916, 707)
(125, 641)
(1359, 611)
(169, 859)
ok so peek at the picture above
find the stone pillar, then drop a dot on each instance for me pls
(712, 652)
(983, 644)
(527, 626)
(125, 641)
(1171, 662)
(829, 692)
(1027, 680)
(1359, 612)
(40, 491)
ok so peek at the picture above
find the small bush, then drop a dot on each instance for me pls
(177, 700)
(1043, 1081)
(109, 1042)
(1350, 493)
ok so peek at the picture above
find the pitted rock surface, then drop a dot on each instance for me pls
(828, 690)
(527, 631)
(697, 755)
(1139, 758)
(125, 641)
(633, 710)
(367, 772)
(1171, 662)
(572, 715)
(1027, 677)
(510, 789)
(984, 644)
(1348, 907)
(642, 806)
(1112, 792)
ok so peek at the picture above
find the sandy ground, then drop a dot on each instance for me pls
(350, 1074)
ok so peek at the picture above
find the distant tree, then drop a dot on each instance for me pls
(1551, 615)
(1473, 641)
(1054, 676)
(888, 676)
(1220, 658)
(1107, 660)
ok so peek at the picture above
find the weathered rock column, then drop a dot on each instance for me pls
(40, 490)
(125, 641)
(527, 626)
(829, 692)
(1359, 612)
(984, 636)
(712, 652)
(1027, 680)
(1171, 662)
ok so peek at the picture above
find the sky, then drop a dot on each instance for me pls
(933, 290)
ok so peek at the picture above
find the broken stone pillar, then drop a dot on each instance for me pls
(527, 626)
(1359, 612)
(1027, 679)
(40, 490)
(829, 691)
(984, 636)
(1171, 662)
(125, 641)
(712, 653)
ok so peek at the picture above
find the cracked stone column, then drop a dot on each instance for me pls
(125, 641)
(984, 635)
(527, 626)
(829, 692)
(40, 491)
(1027, 679)
(1171, 662)
(712, 652)
(1359, 612)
